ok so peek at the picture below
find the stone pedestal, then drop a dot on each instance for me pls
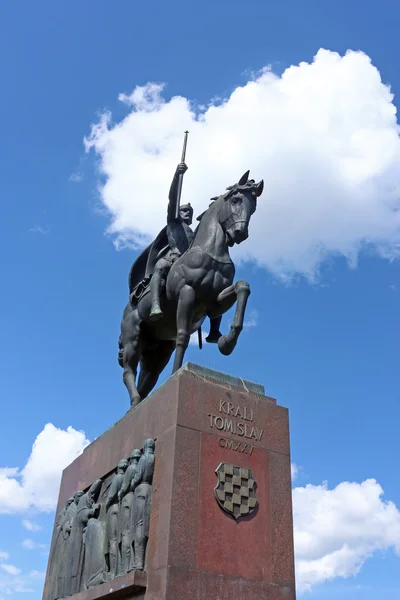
(197, 550)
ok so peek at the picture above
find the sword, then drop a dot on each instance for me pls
(180, 182)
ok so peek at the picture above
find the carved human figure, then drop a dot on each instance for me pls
(86, 509)
(112, 512)
(94, 571)
(66, 533)
(142, 486)
(125, 496)
(58, 543)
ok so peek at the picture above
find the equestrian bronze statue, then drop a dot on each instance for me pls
(182, 278)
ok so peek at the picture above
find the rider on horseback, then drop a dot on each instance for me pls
(180, 236)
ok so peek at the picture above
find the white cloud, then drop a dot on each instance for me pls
(39, 229)
(30, 526)
(37, 574)
(76, 177)
(10, 569)
(12, 583)
(3, 555)
(37, 484)
(337, 530)
(323, 136)
(29, 544)
(251, 320)
(294, 469)
(11, 580)
(194, 338)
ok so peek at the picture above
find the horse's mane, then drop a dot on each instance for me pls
(212, 207)
(217, 200)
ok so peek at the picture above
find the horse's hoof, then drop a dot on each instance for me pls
(134, 403)
(213, 338)
(225, 345)
(156, 315)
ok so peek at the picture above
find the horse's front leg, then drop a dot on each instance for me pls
(184, 318)
(239, 292)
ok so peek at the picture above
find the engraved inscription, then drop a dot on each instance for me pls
(236, 427)
(236, 419)
(228, 408)
(235, 445)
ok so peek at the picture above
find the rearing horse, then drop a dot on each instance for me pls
(199, 284)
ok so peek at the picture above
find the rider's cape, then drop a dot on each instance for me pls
(143, 267)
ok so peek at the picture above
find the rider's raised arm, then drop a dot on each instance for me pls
(173, 192)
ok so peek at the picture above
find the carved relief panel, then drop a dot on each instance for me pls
(102, 532)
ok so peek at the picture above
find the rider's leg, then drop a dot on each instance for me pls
(155, 289)
(215, 333)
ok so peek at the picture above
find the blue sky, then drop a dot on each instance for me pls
(322, 329)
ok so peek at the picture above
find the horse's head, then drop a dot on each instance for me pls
(237, 206)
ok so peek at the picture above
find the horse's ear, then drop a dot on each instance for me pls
(259, 188)
(244, 178)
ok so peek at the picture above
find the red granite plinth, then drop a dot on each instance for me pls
(197, 551)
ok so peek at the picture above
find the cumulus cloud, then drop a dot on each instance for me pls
(13, 580)
(10, 569)
(40, 229)
(294, 469)
(30, 526)
(324, 137)
(37, 484)
(337, 530)
(29, 544)
(194, 339)
(3, 555)
(251, 320)
(37, 574)
(76, 177)
(11, 584)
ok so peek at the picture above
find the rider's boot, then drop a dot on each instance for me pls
(155, 284)
(215, 333)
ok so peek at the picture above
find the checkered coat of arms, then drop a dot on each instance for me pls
(235, 491)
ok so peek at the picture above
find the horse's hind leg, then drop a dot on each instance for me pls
(153, 361)
(184, 318)
(130, 364)
(129, 354)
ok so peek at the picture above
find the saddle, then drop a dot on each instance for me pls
(140, 289)
(143, 268)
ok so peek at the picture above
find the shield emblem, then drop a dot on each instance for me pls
(235, 491)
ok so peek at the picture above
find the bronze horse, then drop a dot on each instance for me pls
(199, 284)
